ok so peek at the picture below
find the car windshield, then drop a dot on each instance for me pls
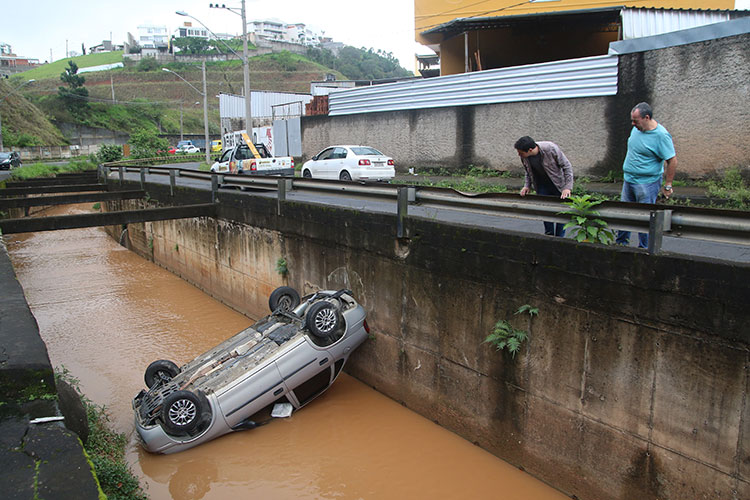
(365, 151)
(4, 156)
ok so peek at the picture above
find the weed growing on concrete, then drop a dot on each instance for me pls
(612, 176)
(106, 449)
(176, 247)
(281, 266)
(731, 187)
(96, 206)
(585, 221)
(506, 336)
(151, 243)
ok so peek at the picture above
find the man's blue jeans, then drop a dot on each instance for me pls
(551, 228)
(640, 193)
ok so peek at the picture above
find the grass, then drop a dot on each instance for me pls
(53, 70)
(106, 450)
(46, 170)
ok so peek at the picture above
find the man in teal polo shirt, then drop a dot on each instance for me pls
(649, 147)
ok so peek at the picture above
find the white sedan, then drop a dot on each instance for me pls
(348, 163)
(187, 149)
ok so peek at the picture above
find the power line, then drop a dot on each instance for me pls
(480, 15)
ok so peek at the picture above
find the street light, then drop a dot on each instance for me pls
(3, 100)
(244, 58)
(205, 104)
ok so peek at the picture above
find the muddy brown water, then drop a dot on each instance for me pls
(105, 314)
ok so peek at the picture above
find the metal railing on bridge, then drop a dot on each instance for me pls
(677, 221)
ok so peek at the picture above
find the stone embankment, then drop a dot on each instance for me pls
(41, 457)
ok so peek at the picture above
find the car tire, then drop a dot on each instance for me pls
(306, 174)
(160, 370)
(284, 297)
(182, 412)
(323, 319)
(345, 176)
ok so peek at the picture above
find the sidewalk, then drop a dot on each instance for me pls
(514, 184)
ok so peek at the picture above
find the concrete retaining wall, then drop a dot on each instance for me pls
(698, 91)
(633, 383)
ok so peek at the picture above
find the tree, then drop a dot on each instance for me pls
(146, 144)
(75, 95)
(191, 45)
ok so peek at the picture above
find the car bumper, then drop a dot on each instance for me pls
(156, 440)
(285, 172)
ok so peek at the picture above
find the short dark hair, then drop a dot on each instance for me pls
(644, 109)
(525, 143)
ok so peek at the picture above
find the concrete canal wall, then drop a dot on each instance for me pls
(633, 382)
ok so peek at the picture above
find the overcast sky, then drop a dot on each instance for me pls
(43, 25)
(40, 26)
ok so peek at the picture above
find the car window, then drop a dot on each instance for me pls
(362, 151)
(243, 153)
(225, 156)
(4, 156)
(308, 390)
(326, 154)
(340, 153)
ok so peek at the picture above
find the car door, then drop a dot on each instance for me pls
(306, 370)
(341, 163)
(321, 167)
(222, 165)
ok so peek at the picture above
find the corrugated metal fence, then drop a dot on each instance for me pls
(585, 77)
(264, 105)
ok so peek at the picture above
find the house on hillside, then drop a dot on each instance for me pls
(153, 39)
(502, 33)
(279, 31)
(11, 63)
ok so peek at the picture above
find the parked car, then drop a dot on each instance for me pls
(287, 358)
(187, 149)
(9, 159)
(350, 163)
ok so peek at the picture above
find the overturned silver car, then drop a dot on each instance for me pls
(290, 356)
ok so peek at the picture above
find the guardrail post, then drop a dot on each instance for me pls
(143, 178)
(122, 175)
(214, 187)
(402, 208)
(281, 194)
(659, 221)
(172, 182)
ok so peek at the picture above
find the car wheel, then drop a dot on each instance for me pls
(181, 412)
(323, 319)
(161, 370)
(284, 297)
(306, 174)
(344, 176)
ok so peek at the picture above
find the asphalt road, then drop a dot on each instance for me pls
(685, 246)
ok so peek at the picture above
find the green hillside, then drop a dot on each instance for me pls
(24, 124)
(53, 70)
(142, 96)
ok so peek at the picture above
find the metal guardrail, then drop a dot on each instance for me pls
(686, 222)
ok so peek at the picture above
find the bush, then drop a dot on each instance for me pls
(146, 144)
(109, 152)
(148, 64)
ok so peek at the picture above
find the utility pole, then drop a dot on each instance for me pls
(245, 58)
(246, 75)
(112, 84)
(205, 113)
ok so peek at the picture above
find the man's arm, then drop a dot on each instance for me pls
(669, 171)
(567, 169)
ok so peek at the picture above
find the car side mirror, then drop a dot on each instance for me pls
(315, 158)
